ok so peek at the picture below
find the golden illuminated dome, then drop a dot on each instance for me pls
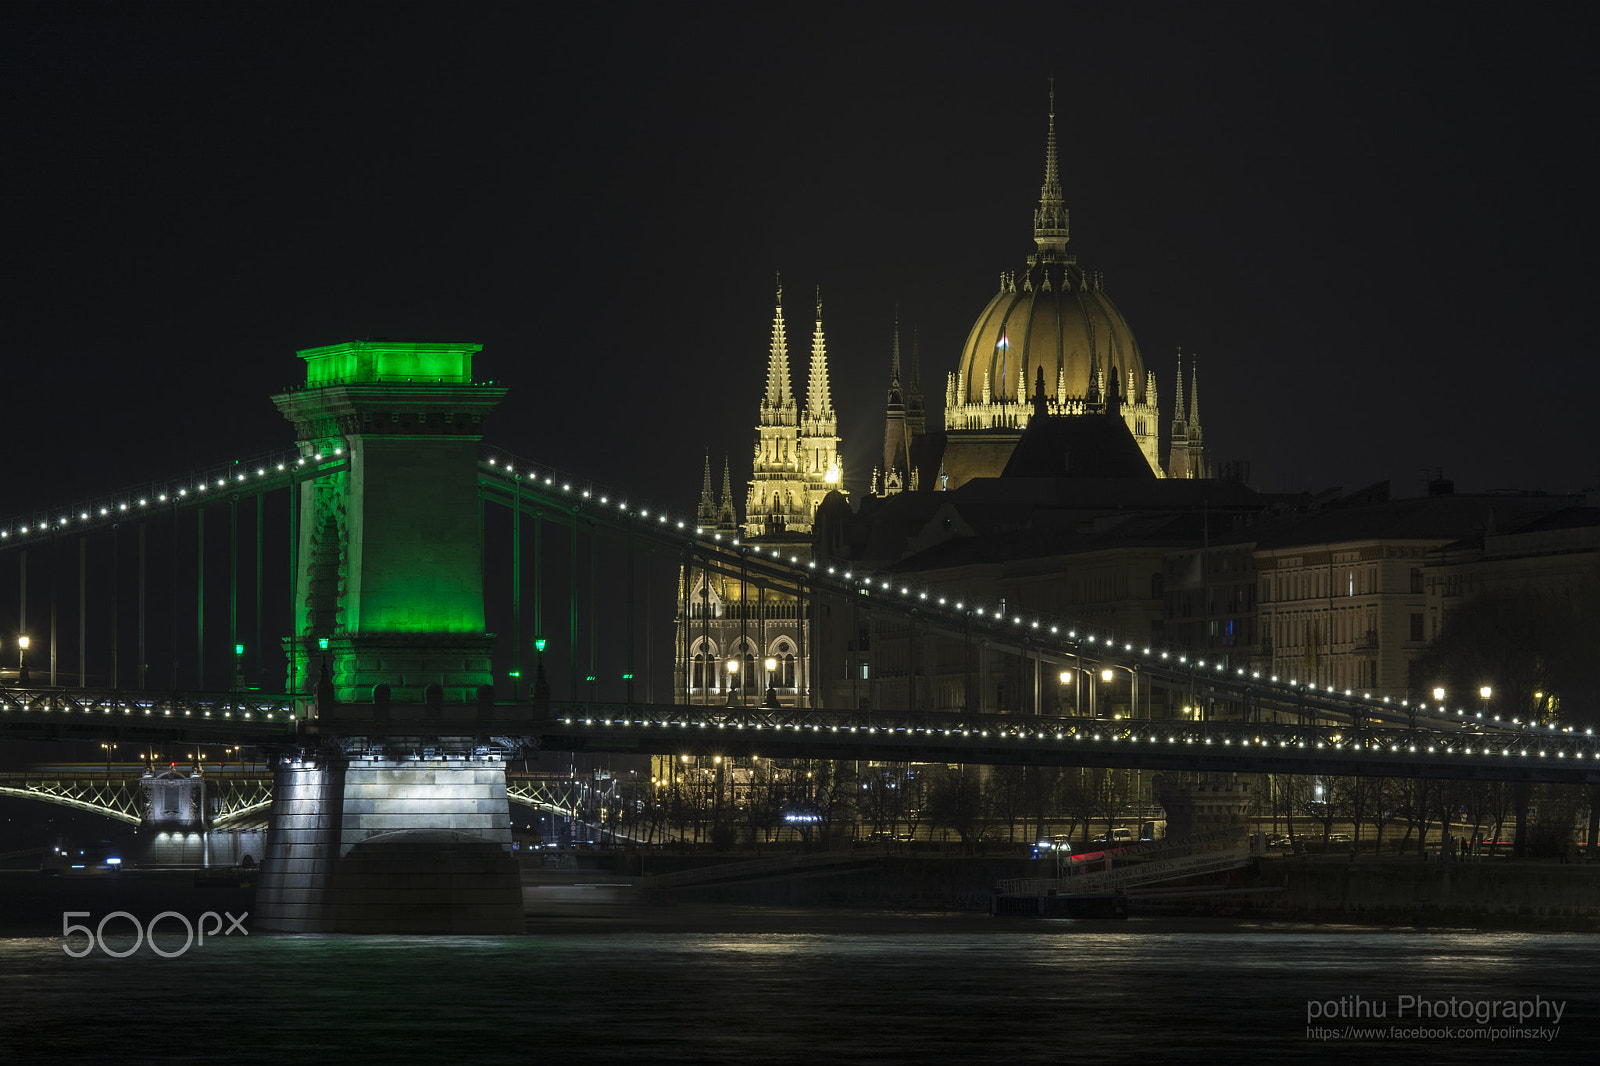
(1051, 341)
(1054, 316)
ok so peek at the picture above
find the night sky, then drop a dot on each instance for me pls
(1372, 225)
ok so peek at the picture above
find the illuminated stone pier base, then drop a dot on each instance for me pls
(390, 845)
(293, 892)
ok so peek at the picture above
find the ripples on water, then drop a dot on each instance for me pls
(942, 990)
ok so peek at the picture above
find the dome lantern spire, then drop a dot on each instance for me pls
(1051, 218)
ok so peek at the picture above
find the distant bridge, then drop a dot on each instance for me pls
(242, 794)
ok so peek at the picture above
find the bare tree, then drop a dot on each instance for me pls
(1006, 794)
(955, 801)
(1079, 797)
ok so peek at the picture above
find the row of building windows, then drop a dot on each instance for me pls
(1325, 584)
(748, 676)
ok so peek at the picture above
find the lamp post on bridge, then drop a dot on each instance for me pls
(22, 660)
(733, 676)
(771, 700)
(1074, 678)
(1108, 674)
(541, 687)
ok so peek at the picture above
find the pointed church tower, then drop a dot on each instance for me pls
(1199, 466)
(705, 518)
(896, 467)
(796, 459)
(727, 516)
(819, 429)
(770, 505)
(1178, 446)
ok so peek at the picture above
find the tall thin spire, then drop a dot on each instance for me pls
(896, 450)
(727, 514)
(1177, 408)
(818, 403)
(778, 361)
(707, 513)
(894, 360)
(916, 411)
(1194, 393)
(1051, 218)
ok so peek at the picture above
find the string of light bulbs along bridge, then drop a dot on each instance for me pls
(267, 472)
(1266, 737)
(229, 711)
(260, 474)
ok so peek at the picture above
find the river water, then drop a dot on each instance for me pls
(775, 986)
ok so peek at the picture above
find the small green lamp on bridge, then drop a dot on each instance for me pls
(541, 687)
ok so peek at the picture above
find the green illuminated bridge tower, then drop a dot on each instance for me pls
(393, 818)
(389, 576)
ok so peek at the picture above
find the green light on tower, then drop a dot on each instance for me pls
(322, 643)
(538, 644)
(238, 649)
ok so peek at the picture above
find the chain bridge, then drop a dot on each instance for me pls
(393, 610)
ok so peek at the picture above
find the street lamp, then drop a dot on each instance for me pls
(733, 676)
(772, 688)
(1438, 693)
(22, 660)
